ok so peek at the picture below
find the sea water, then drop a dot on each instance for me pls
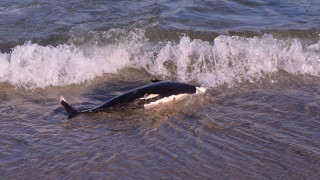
(258, 59)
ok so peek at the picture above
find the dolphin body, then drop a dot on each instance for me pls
(139, 97)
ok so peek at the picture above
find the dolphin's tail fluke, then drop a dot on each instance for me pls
(70, 110)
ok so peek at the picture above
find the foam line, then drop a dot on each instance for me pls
(226, 60)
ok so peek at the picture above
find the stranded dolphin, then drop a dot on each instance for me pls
(144, 96)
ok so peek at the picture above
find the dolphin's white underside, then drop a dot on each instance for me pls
(172, 98)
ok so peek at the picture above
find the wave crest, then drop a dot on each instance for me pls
(226, 60)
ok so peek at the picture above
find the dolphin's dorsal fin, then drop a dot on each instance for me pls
(155, 80)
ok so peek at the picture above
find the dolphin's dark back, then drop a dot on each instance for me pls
(163, 88)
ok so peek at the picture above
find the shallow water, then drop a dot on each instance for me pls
(259, 118)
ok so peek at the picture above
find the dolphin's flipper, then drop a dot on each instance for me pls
(70, 110)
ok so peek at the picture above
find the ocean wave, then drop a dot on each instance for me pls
(228, 59)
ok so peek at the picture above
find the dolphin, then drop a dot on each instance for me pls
(141, 97)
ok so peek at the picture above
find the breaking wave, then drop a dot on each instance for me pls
(228, 59)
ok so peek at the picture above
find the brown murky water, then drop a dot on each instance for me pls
(268, 129)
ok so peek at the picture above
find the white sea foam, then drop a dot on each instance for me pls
(226, 60)
(234, 59)
(31, 65)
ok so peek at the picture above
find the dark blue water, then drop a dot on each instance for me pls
(259, 119)
(54, 20)
(241, 15)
